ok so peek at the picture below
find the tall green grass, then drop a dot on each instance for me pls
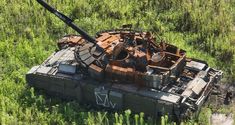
(28, 34)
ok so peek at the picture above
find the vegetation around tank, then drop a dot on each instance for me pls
(205, 29)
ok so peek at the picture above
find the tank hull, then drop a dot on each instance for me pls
(114, 96)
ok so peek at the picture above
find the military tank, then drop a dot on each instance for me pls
(124, 69)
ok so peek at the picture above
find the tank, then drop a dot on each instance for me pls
(124, 69)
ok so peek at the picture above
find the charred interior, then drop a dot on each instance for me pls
(133, 56)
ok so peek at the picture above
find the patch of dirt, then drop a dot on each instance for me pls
(222, 119)
(223, 105)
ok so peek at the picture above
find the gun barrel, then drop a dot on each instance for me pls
(67, 20)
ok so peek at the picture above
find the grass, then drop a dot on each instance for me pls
(28, 34)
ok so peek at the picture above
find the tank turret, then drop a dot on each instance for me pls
(125, 55)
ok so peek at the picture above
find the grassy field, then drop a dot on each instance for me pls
(28, 34)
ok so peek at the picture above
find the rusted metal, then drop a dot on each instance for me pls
(70, 41)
